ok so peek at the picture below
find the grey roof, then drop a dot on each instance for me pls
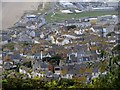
(37, 55)
(51, 53)
(44, 65)
(83, 66)
(17, 56)
(73, 58)
(7, 65)
(97, 27)
(28, 48)
(86, 59)
(5, 37)
(95, 69)
(37, 33)
(72, 71)
(39, 63)
(80, 54)
(25, 37)
(4, 54)
(49, 73)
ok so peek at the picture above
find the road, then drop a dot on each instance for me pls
(42, 16)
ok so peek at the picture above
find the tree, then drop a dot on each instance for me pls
(116, 49)
(103, 54)
(93, 22)
(71, 27)
(28, 64)
(51, 85)
(5, 84)
(10, 46)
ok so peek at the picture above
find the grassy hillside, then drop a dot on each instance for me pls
(62, 16)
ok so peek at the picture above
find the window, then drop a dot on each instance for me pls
(57, 68)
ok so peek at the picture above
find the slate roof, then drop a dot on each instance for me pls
(4, 54)
(17, 56)
(5, 37)
(96, 69)
(37, 56)
(44, 65)
(49, 73)
(24, 38)
(7, 65)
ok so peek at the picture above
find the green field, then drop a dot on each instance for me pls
(61, 16)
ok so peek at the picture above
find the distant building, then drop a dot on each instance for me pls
(112, 4)
(103, 9)
(67, 4)
(31, 16)
(66, 11)
(118, 38)
(8, 65)
(117, 28)
(57, 70)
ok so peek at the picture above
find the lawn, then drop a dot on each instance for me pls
(61, 16)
